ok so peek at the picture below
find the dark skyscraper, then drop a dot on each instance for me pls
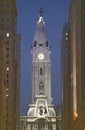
(76, 92)
(65, 76)
(9, 66)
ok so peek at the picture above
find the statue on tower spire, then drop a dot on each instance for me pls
(41, 12)
(40, 15)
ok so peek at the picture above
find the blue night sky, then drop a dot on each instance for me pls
(55, 15)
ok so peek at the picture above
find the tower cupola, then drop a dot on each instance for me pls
(40, 36)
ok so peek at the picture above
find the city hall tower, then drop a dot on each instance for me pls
(41, 64)
(41, 114)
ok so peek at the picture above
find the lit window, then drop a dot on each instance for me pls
(7, 34)
(7, 95)
(66, 34)
(7, 68)
(66, 38)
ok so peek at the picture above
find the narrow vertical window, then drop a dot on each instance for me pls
(41, 71)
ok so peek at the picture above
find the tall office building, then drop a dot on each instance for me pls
(41, 114)
(66, 77)
(79, 122)
(77, 28)
(9, 66)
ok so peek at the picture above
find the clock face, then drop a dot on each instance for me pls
(41, 56)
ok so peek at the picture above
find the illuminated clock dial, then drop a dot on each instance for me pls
(41, 56)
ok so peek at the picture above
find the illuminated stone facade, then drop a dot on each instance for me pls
(41, 114)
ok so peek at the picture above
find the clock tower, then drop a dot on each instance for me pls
(41, 64)
(41, 114)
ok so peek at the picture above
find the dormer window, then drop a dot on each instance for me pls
(47, 44)
(35, 43)
(40, 44)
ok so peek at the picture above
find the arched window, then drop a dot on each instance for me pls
(41, 71)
